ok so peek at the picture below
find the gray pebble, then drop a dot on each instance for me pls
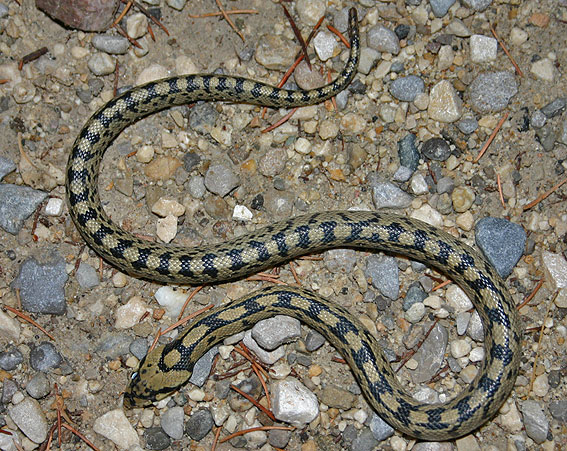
(196, 186)
(365, 441)
(10, 359)
(4, 11)
(222, 388)
(402, 174)
(303, 360)
(87, 276)
(558, 410)
(272, 162)
(340, 20)
(407, 152)
(386, 194)
(112, 345)
(6, 166)
(17, 203)
(547, 136)
(191, 160)
(115, 45)
(407, 88)
(554, 107)
(462, 320)
(342, 99)
(172, 422)
(95, 86)
(220, 179)
(340, 260)
(176, 4)
(42, 284)
(139, 348)
(279, 438)
(202, 367)
(156, 438)
(38, 386)
(314, 341)
(368, 58)
(31, 420)
(538, 119)
(441, 7)
(383, 270)
(383, 39)
(273, 332)
(414, 294)
(445, 185)
(491, 91)
(203, 117)
(8, 390)
(467, 125)
(501, 241)
(430, 355)
(535, 421)
(477, 5)
(199, 424)
(380, 429)
(403, 31)
(436, 149)
(334, 396)
(45, 357)
(279, 203)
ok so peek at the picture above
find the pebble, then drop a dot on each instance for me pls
(365, 441)
(368, 58)
(314, 341)
(136, 25)
(337, 397)
(555, 268)
(477, 5)
(436, 149)
(555, 107)
(558, 410)
(384, 273)
(10, 358)
(273, 332)
(162, 168)
(166, 228)
(242, 213)
(171, 299)
(139, 348)
(407, 152)
(273, 162)
(414, 295)
(42, 284)
(325, 45)
(445, 105)
(462, 198)
(541, 385)
(467, 124)
(502, 242)
(535, 421)
(275, 52)
(164, 207)
(428, 214)
(202, 119)
(458, 299)
(17, 203)
(45, 357)
(152, 73)
(544, 69)
(38, 386)
(87, 276)
(112, 345)
(309, 11)
(279, 203)
(441, 7)
(460, 348)
(383, 39)
(430, 355)
(129, 314)
(101, 64)
(9, 327)
(54, 206)
(220, 179)
(156, 438)
(115, 427)
(407, 88)
(172, 422)
(196, 186)
(328, 129)
(380, 429)
(265, 356)
(115, 45)
(491, 91)
(340, 261)
(293, 402)
(176, 4)
(386, 194)
(202, 367)
(199, 424)
(483, 48)
(29, 417)
(6, 166)
(278, 438)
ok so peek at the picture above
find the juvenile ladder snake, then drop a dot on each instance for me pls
(168, 367)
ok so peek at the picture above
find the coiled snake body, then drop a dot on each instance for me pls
(168, 367)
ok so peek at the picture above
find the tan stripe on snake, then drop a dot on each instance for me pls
(166, 368)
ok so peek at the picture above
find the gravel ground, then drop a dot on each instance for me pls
(433, 86)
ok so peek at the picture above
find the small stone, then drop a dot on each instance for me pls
(6, 166)
(445, 105)
(408, 153)
(38, 386)
(518, 36)
(309, 11)
(491, 91)
(171, 299)
(458, 299)
(101, 64)
(467, 125)
(383, 39)
(31, 420)
(555, 107)
(164, 207)
(314, 341)
(166, 228)
(9, 327)
(441, 7)
(325, 45)
(153, 72)
(384, 273)
(535, 421)
(268, 357)
(136, 25)
(129, 314)
(115, 45)
(145, 154)
(555, 268)
(303, 145)
(156, 438)
(279, 438)
(241, 213)
(162, 168)
(220, 179)
(273, 332)
(196, 186)
(386, 194)
(87, 276)
(428, 214)
(202, 367)
(273, 162)
(477, 5)
(483, 48)
(541, 385)
(407, 88)
(279, 203)
(337, 397)
(172, 422)
(544, 69)
(45, 357)
(436, 149)
(380, 429)
(462, 198)
(17, 203)
(502, 242)
(430, 355)
(368, 58)
(275, 52)
(460, 348)
(293, 403)
(415, 313)
(54, 207)
(328, 129)
(115, 427)
(558, 410)
(199, 424)
(10, 359)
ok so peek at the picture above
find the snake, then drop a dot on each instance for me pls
(168, 367)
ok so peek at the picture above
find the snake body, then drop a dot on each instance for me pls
(168, 367)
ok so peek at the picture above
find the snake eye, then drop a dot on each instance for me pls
(134, 375)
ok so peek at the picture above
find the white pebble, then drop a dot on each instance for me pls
(166, 228)
(197, 394)
(129, 314)
(483, 48)
(115, 427)
(241, 213)
(165, 207)
(460, 348)
(302, 146)
(477, 354)
(54, 206)
(145, 154)
(457, 298)
(171, 299)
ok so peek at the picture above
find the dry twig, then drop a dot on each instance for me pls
(491, 138)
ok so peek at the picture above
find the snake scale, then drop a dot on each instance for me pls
(166, 368)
